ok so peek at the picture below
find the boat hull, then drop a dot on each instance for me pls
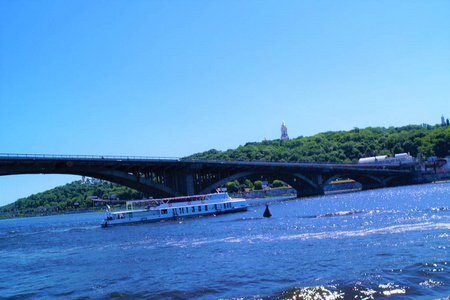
(174, 211)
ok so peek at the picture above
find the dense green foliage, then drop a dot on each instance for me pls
(277, 183)
(72, 196)
(258, 185)
(343, 146)
(232, 186)
(248, 184)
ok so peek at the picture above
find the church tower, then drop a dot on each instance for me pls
(284, 134)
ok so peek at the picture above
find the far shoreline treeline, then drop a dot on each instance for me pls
(328, 147)
(343, 146)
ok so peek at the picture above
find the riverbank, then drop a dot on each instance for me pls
(276, 192)
(13, 215)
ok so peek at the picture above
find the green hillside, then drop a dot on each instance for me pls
(343, 146)
(72, 196)
(330, 147)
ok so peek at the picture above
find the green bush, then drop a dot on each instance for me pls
(258, 185)
(277, 183)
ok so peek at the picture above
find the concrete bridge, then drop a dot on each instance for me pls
(164, 177)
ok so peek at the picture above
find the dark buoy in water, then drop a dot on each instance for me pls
(267, 213)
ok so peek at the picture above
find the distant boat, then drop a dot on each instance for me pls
(342, 185)
(141, 211)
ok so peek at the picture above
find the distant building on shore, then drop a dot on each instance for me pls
(284, 134)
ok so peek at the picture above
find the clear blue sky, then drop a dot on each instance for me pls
(173, 78)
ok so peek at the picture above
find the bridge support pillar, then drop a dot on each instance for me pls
(308, 192)
(372, 186)
(190, 184)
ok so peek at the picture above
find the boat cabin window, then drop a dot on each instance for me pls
(219, 196)
(215, 206)
(199, 208)
(193, 209)
(164, 211)
(206, 207)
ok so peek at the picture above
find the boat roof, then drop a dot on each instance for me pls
(178, 199)
(172, 207)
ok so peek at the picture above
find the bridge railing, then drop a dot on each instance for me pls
(13, 156)
(74, 157)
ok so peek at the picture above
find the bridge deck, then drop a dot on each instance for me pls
(169, 176)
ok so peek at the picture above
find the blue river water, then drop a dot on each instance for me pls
(391, 243)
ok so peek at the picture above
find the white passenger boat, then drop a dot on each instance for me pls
(139, 211)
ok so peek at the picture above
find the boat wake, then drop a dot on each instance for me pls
(334, 214)
(426, 226)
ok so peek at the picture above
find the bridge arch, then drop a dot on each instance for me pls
(367, 181)
(303, 184)
(176, 177)
(135, 181)
(306, 184)
(220, 183)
